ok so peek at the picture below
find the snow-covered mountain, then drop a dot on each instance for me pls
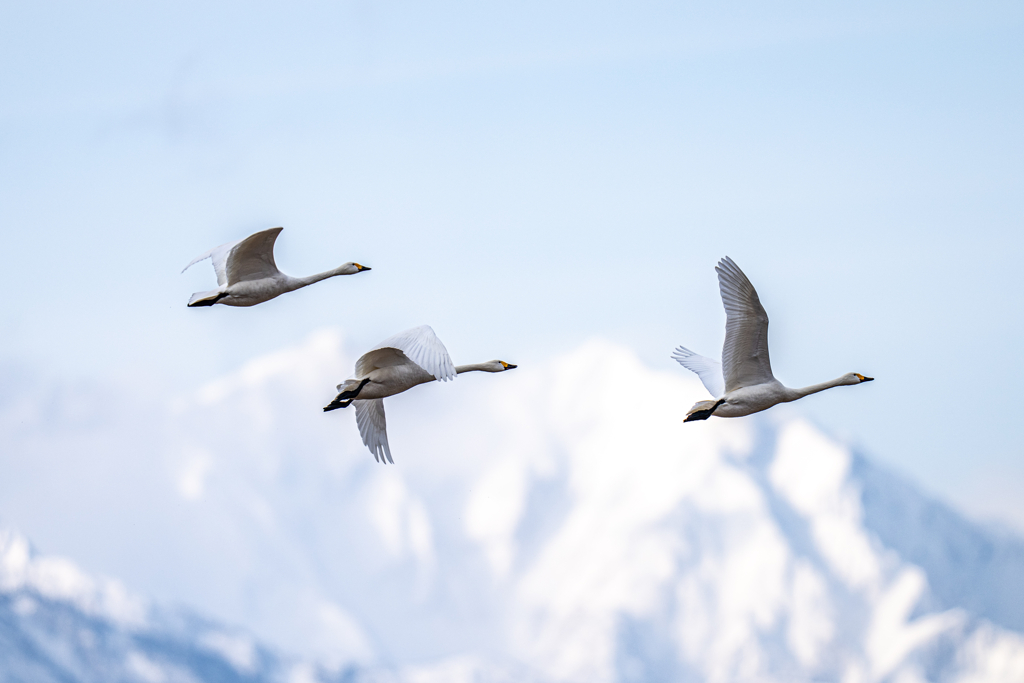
(558, 523)
(58, 624)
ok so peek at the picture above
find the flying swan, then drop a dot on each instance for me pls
(398, 364)
(743, 383)
(247, 274)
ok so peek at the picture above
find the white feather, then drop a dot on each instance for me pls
(373, 428)
(709, 370)
(421, 346)
(745, 359)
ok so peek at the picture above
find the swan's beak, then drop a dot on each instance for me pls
(508, 366)
(862, 378)
(362, 268)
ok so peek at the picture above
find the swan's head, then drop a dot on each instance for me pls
(498, 366)
(857, 378)
(352, 268)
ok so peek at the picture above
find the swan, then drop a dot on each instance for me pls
(395, 365)
(247, 274)
(743, 383)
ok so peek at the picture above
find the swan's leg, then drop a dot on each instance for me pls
(346, 397)
(703, 413)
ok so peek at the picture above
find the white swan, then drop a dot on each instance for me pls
(247, 274)
(397, 364)
(743, 382)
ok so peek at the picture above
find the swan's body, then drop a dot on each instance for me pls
(247, 274)
(743, 382)
(398, 364)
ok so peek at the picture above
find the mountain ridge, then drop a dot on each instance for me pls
(599, 540)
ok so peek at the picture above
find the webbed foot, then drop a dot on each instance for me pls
(705, 413)
(345, 398)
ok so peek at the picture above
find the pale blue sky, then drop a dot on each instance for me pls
(524, 177)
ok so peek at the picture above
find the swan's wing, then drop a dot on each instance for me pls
(379, 358)
(709, 371)
(253, 257)
(745, 354)
(373, 427)
(219, 256)
(419, 345)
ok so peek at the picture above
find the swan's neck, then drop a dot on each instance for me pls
(794, 394)
(473, 367)
(298, 282)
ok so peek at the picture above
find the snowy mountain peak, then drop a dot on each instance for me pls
(57, 579)
(560, 525)
(59, 624)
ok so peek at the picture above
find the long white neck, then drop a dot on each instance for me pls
(473, 367)
(794, 394)
(299, 282)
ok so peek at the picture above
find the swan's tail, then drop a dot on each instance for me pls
(348, 389)
(702, 410)
(206, 298)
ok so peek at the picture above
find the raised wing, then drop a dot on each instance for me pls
(379, 358)
(219, 257)
(373, 427)
(253, 257)
(745, 354)
(709, 371)
(420, 345)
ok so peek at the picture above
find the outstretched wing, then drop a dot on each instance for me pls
(219, 256)
(373, 427)
(709, 371)
(745, 354)
(253, 257)
(420, 345)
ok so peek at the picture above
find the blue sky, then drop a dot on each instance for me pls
(525, 177)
